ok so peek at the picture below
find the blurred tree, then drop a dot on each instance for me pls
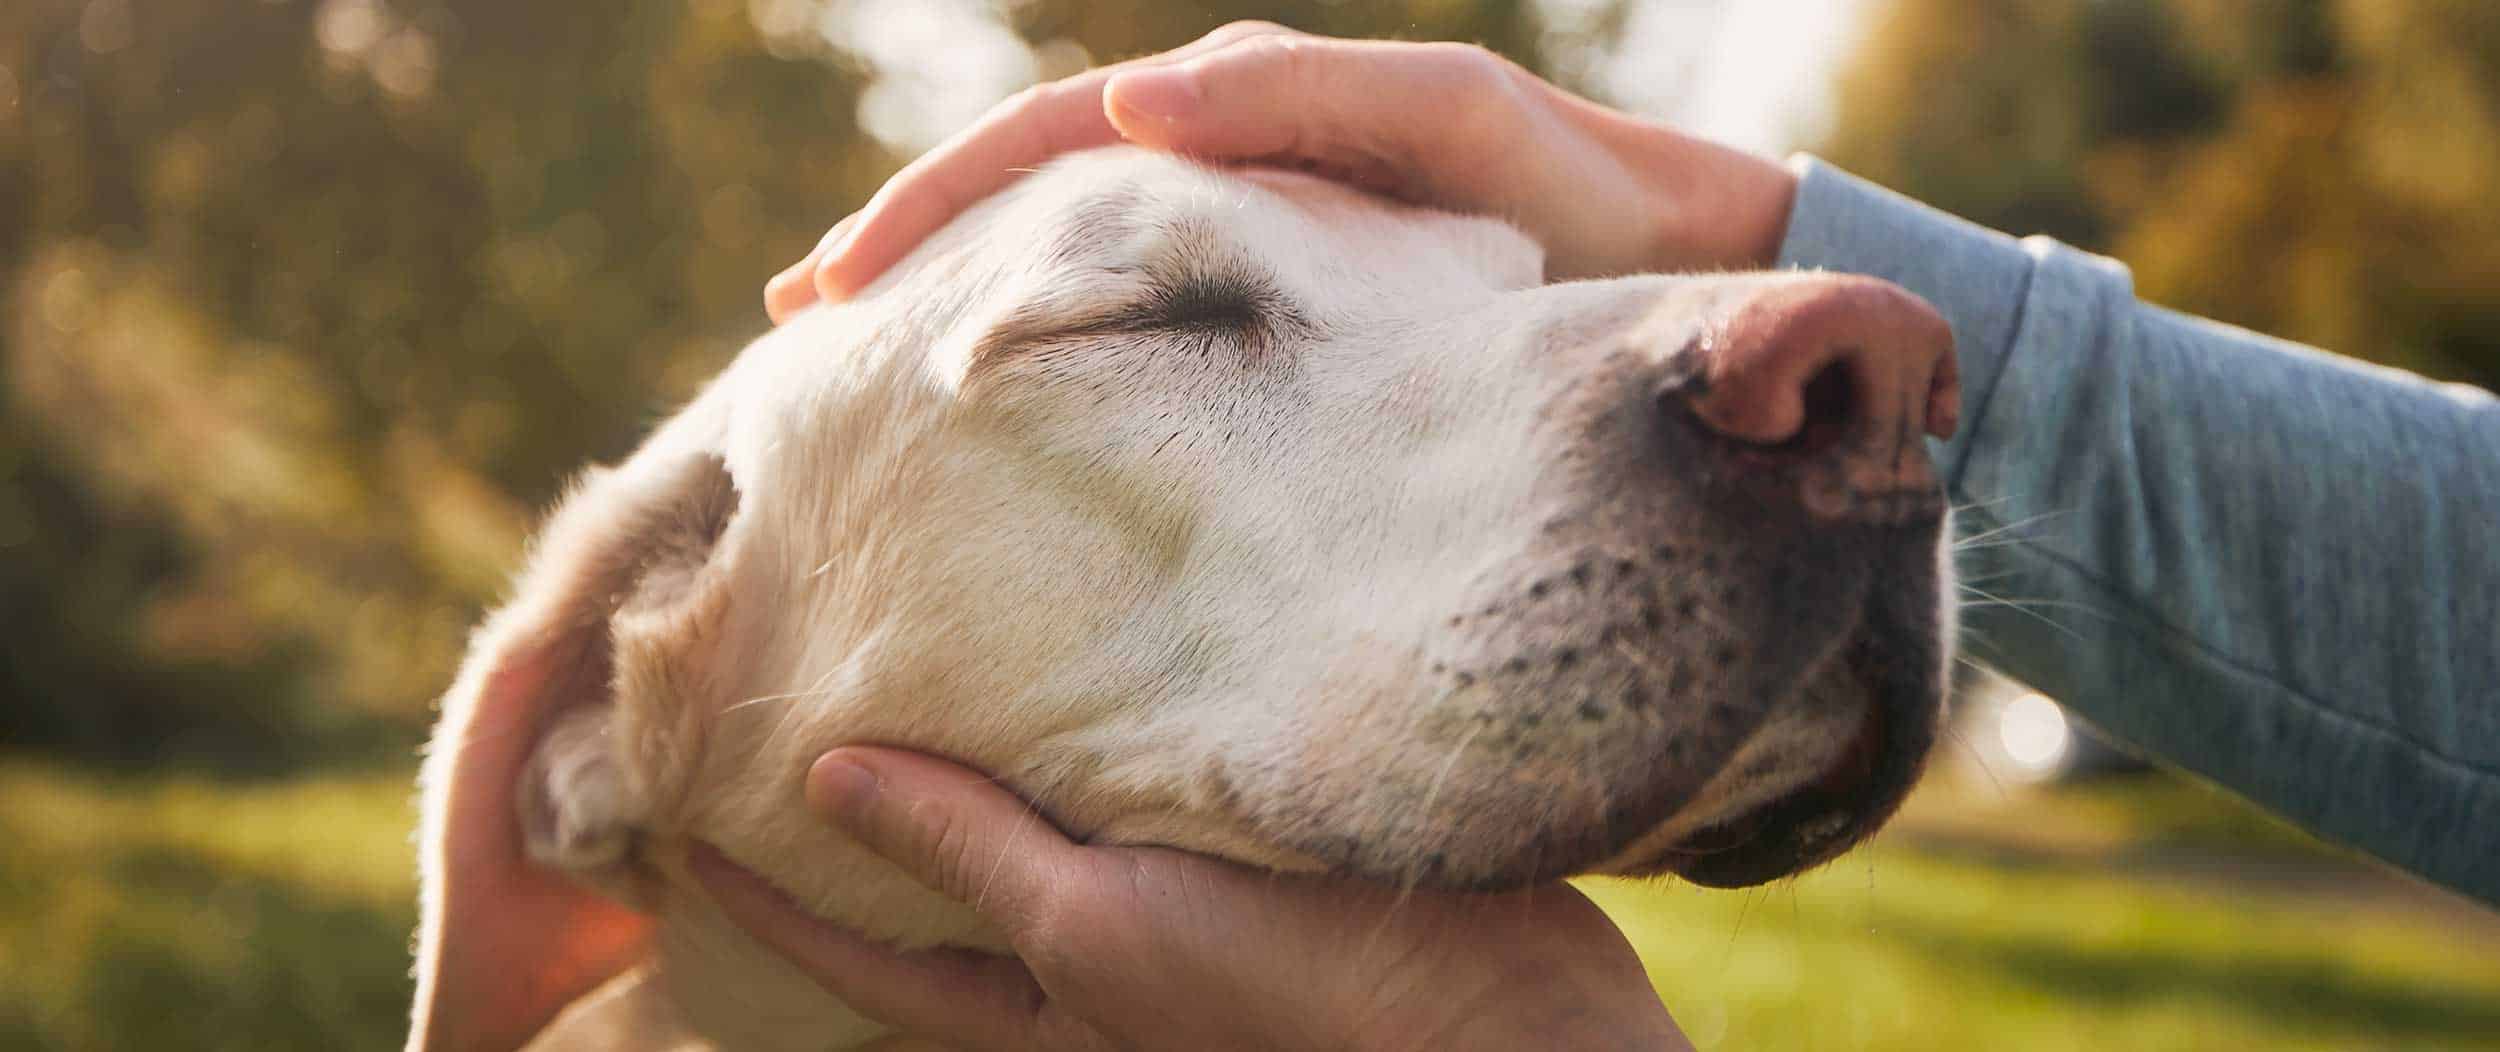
(2309, 168)
(306, 305)
(311, 303)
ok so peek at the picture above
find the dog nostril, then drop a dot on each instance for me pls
(1828, 405)
(1831, 407)
(1811, 364)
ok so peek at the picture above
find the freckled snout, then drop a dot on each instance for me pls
(1834, 375)
(1727, 625)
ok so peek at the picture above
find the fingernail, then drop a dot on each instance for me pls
(838, 788)
(1163, 94)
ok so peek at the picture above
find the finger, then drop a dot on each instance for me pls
(952, 829)
(1036, 124)
(1334, 102)
(1032, 127)
(795, 287)
(969, 999)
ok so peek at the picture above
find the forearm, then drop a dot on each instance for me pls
(2272, 566)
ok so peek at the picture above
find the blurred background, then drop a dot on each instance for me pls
(308, 306)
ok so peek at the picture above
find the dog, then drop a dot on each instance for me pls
(1222, 509)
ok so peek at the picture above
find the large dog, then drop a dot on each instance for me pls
(1225, 510)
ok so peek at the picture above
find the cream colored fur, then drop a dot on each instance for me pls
(1214, 583)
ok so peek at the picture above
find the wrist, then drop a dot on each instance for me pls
(1719, 208)
(1709, 206)
(1767, 193)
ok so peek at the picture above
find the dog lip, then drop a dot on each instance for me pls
(1775, 840)
(1817, 821)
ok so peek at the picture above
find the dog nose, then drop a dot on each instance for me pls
(1828, 367)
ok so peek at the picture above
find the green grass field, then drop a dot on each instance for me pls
(192, 914)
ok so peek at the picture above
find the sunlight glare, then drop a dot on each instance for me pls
(2034, 734)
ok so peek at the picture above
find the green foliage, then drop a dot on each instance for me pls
(175, 912)
(307, 316)
(2310, 168)
(310, 304)
(179, 913)
(1905, 950)
(306, 306)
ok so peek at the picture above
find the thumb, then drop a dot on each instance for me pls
(952, 829)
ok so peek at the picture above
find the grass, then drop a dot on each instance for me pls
(183, 913)
(197, 915)
(2148, 913)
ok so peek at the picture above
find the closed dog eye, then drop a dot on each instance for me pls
(1204, 305)
(1219, 306)
(1220, 303)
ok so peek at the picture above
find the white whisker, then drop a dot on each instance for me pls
(764, 698)
(1408, 880)
(1978, 759)
(1979, 505)
(2022, 608)
(1960, 543)
(1986, 600)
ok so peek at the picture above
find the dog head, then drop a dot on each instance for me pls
(1228, 511)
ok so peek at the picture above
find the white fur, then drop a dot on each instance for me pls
(1176, 588)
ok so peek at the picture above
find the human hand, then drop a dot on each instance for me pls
(1150, 948)
(1449, 125)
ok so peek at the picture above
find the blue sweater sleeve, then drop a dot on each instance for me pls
(2274, 567)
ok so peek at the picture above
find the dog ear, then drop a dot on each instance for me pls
(527, 803)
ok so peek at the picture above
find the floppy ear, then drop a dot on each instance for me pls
(527, 803)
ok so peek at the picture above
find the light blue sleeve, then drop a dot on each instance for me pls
(2272, 566)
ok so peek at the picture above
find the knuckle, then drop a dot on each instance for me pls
(951, 847)
(1469, 63)
(1064, 918)
(1244, 29)
(1281, 56)
(1497, 90)
(1048, 919)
